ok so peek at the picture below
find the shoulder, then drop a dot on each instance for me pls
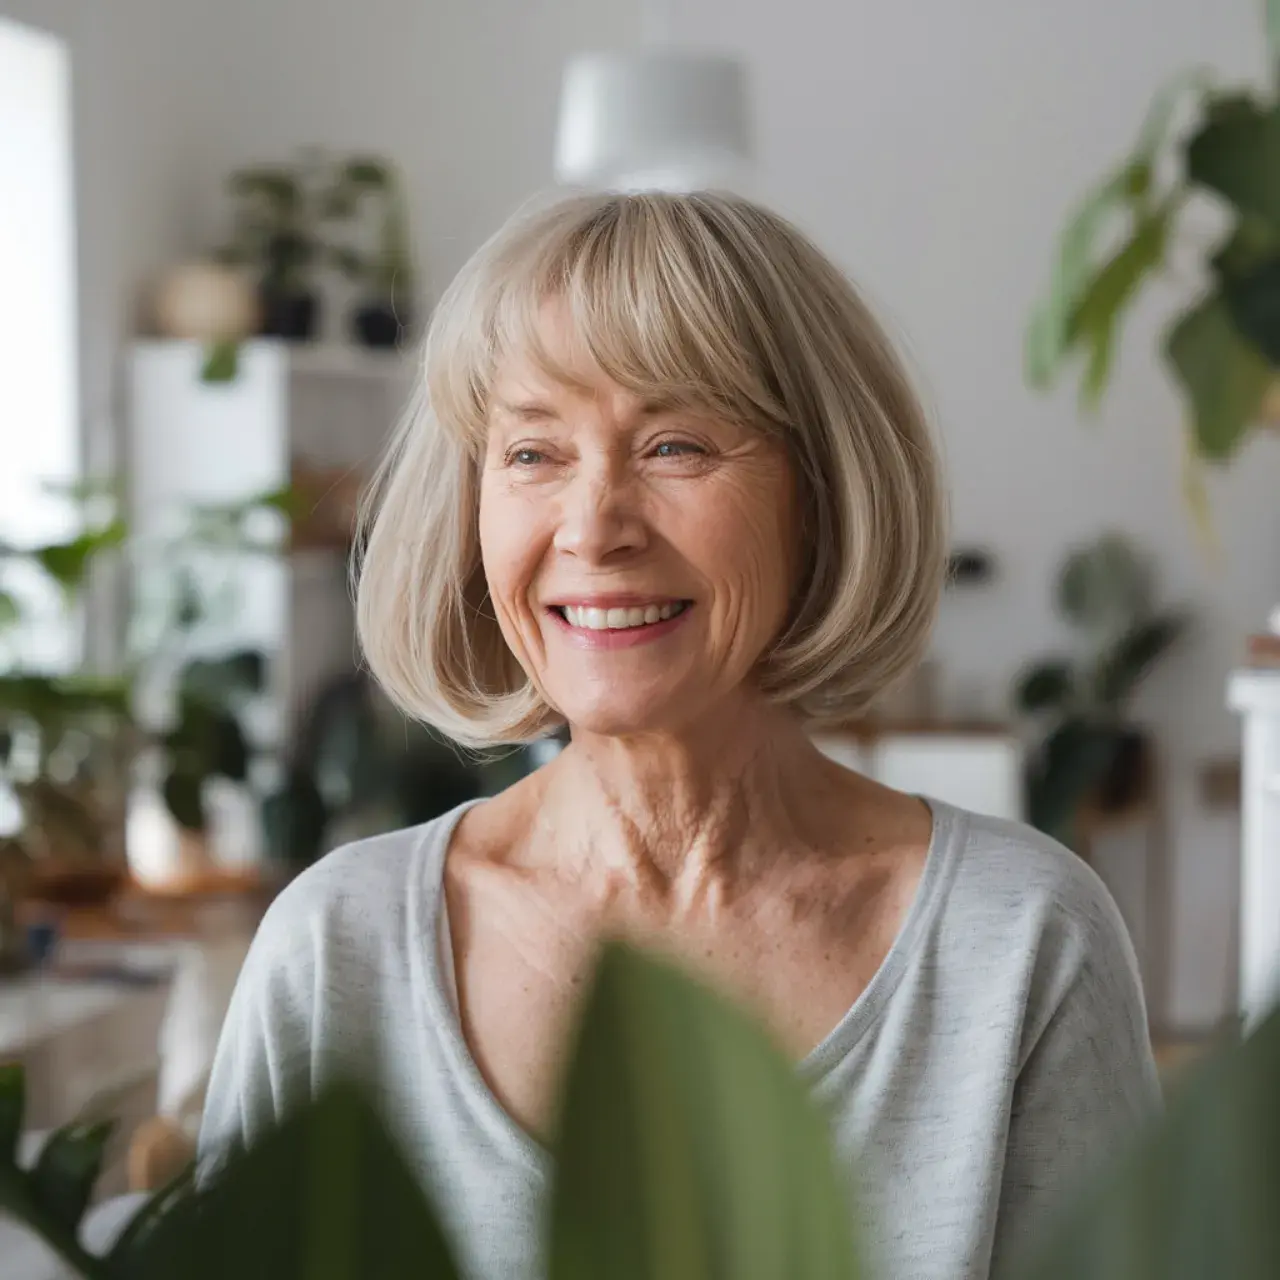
(1010, 868)
(361, 896)
(1023, 907)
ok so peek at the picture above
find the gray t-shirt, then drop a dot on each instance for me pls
(999, 1051)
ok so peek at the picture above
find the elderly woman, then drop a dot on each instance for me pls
(668, 484)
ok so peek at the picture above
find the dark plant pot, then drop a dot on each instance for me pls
(378, 325)
(1128, 781)
(292, 316)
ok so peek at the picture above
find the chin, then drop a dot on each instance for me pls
(624, 717)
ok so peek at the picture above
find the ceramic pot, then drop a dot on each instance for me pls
(205, 302)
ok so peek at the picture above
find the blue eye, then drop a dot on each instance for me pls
(675, 449)
(524, 457)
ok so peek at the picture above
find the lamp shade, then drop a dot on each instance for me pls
(653, 118)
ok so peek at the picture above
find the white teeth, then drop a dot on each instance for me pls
(618, 619)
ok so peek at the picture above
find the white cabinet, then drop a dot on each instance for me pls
(979, 771)
(290, 408)
(1256, 695)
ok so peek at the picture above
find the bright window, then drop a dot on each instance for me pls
(39, 432)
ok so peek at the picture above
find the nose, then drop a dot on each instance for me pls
(599, 517)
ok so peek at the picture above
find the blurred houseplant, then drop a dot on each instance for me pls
(1091, 753)
(687, 1148)
(383, 271)
(1224, 349)
(277, 233)
(359, 767)
(69, 742)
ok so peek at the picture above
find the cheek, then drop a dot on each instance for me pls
(508, 549)
(747, 536)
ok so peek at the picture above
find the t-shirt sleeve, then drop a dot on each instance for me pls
(1087, 1078)
(262, 1067)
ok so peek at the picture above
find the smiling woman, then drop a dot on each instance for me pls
(648, 327)
(668, 484)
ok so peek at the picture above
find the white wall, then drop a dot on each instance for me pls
(933, 148)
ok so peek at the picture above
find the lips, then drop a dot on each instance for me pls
(620, 617)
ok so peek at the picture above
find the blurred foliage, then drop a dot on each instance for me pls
(386, 270)
(687, 1148)
(1224, 348)
(56, 729)
(358, 767)
(1090, 751)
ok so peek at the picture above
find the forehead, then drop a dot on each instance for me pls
(553, 363)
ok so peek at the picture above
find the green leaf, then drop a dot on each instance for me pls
(184, 796)
(326, 1196)
(1253, 299)
(688, 1146)
(13, 1097)
(1045, 687)
(1196, 1196)
(1223, 376)
(1123, 667)
(218, 680)
(67, 1168)
(10, 610)
(1109, 292)
(349, 262)
(368, 172)
(1048, 336)
(1237, 154)
(1104, 586)
(1051, 334)
(221, 361)
(68, 562)
(130, 1249)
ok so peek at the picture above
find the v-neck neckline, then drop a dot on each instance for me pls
(437, 960)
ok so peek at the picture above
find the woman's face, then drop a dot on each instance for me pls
(639, 557)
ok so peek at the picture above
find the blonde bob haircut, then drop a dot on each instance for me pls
(703, 300)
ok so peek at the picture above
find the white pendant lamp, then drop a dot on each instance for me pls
(654, 118)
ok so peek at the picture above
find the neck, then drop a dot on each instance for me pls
(674, 812)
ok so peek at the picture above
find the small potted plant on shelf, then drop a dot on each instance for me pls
(383, 271)
(1091, 752)
(277, 234)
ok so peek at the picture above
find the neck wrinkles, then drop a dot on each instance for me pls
(689, 813)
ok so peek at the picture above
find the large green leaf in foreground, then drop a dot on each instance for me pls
(688, 1146)
(1200, 1197)
(327, 1196)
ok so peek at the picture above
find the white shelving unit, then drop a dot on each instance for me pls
(192, 441)
(1256, 695)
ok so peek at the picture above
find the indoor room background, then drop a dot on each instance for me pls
(935, 150)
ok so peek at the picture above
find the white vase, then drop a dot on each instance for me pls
(205, 302)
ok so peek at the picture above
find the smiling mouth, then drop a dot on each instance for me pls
(589, 618)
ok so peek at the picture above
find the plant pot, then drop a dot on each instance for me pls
(1128, 780)
(377, 325)
(205, 302)
(292, 316)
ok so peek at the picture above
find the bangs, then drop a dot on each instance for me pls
(651, 298)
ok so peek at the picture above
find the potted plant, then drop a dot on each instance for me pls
(359, 767)
(383, 271)
(64, 737)
(276, 233)
(1090, 752)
